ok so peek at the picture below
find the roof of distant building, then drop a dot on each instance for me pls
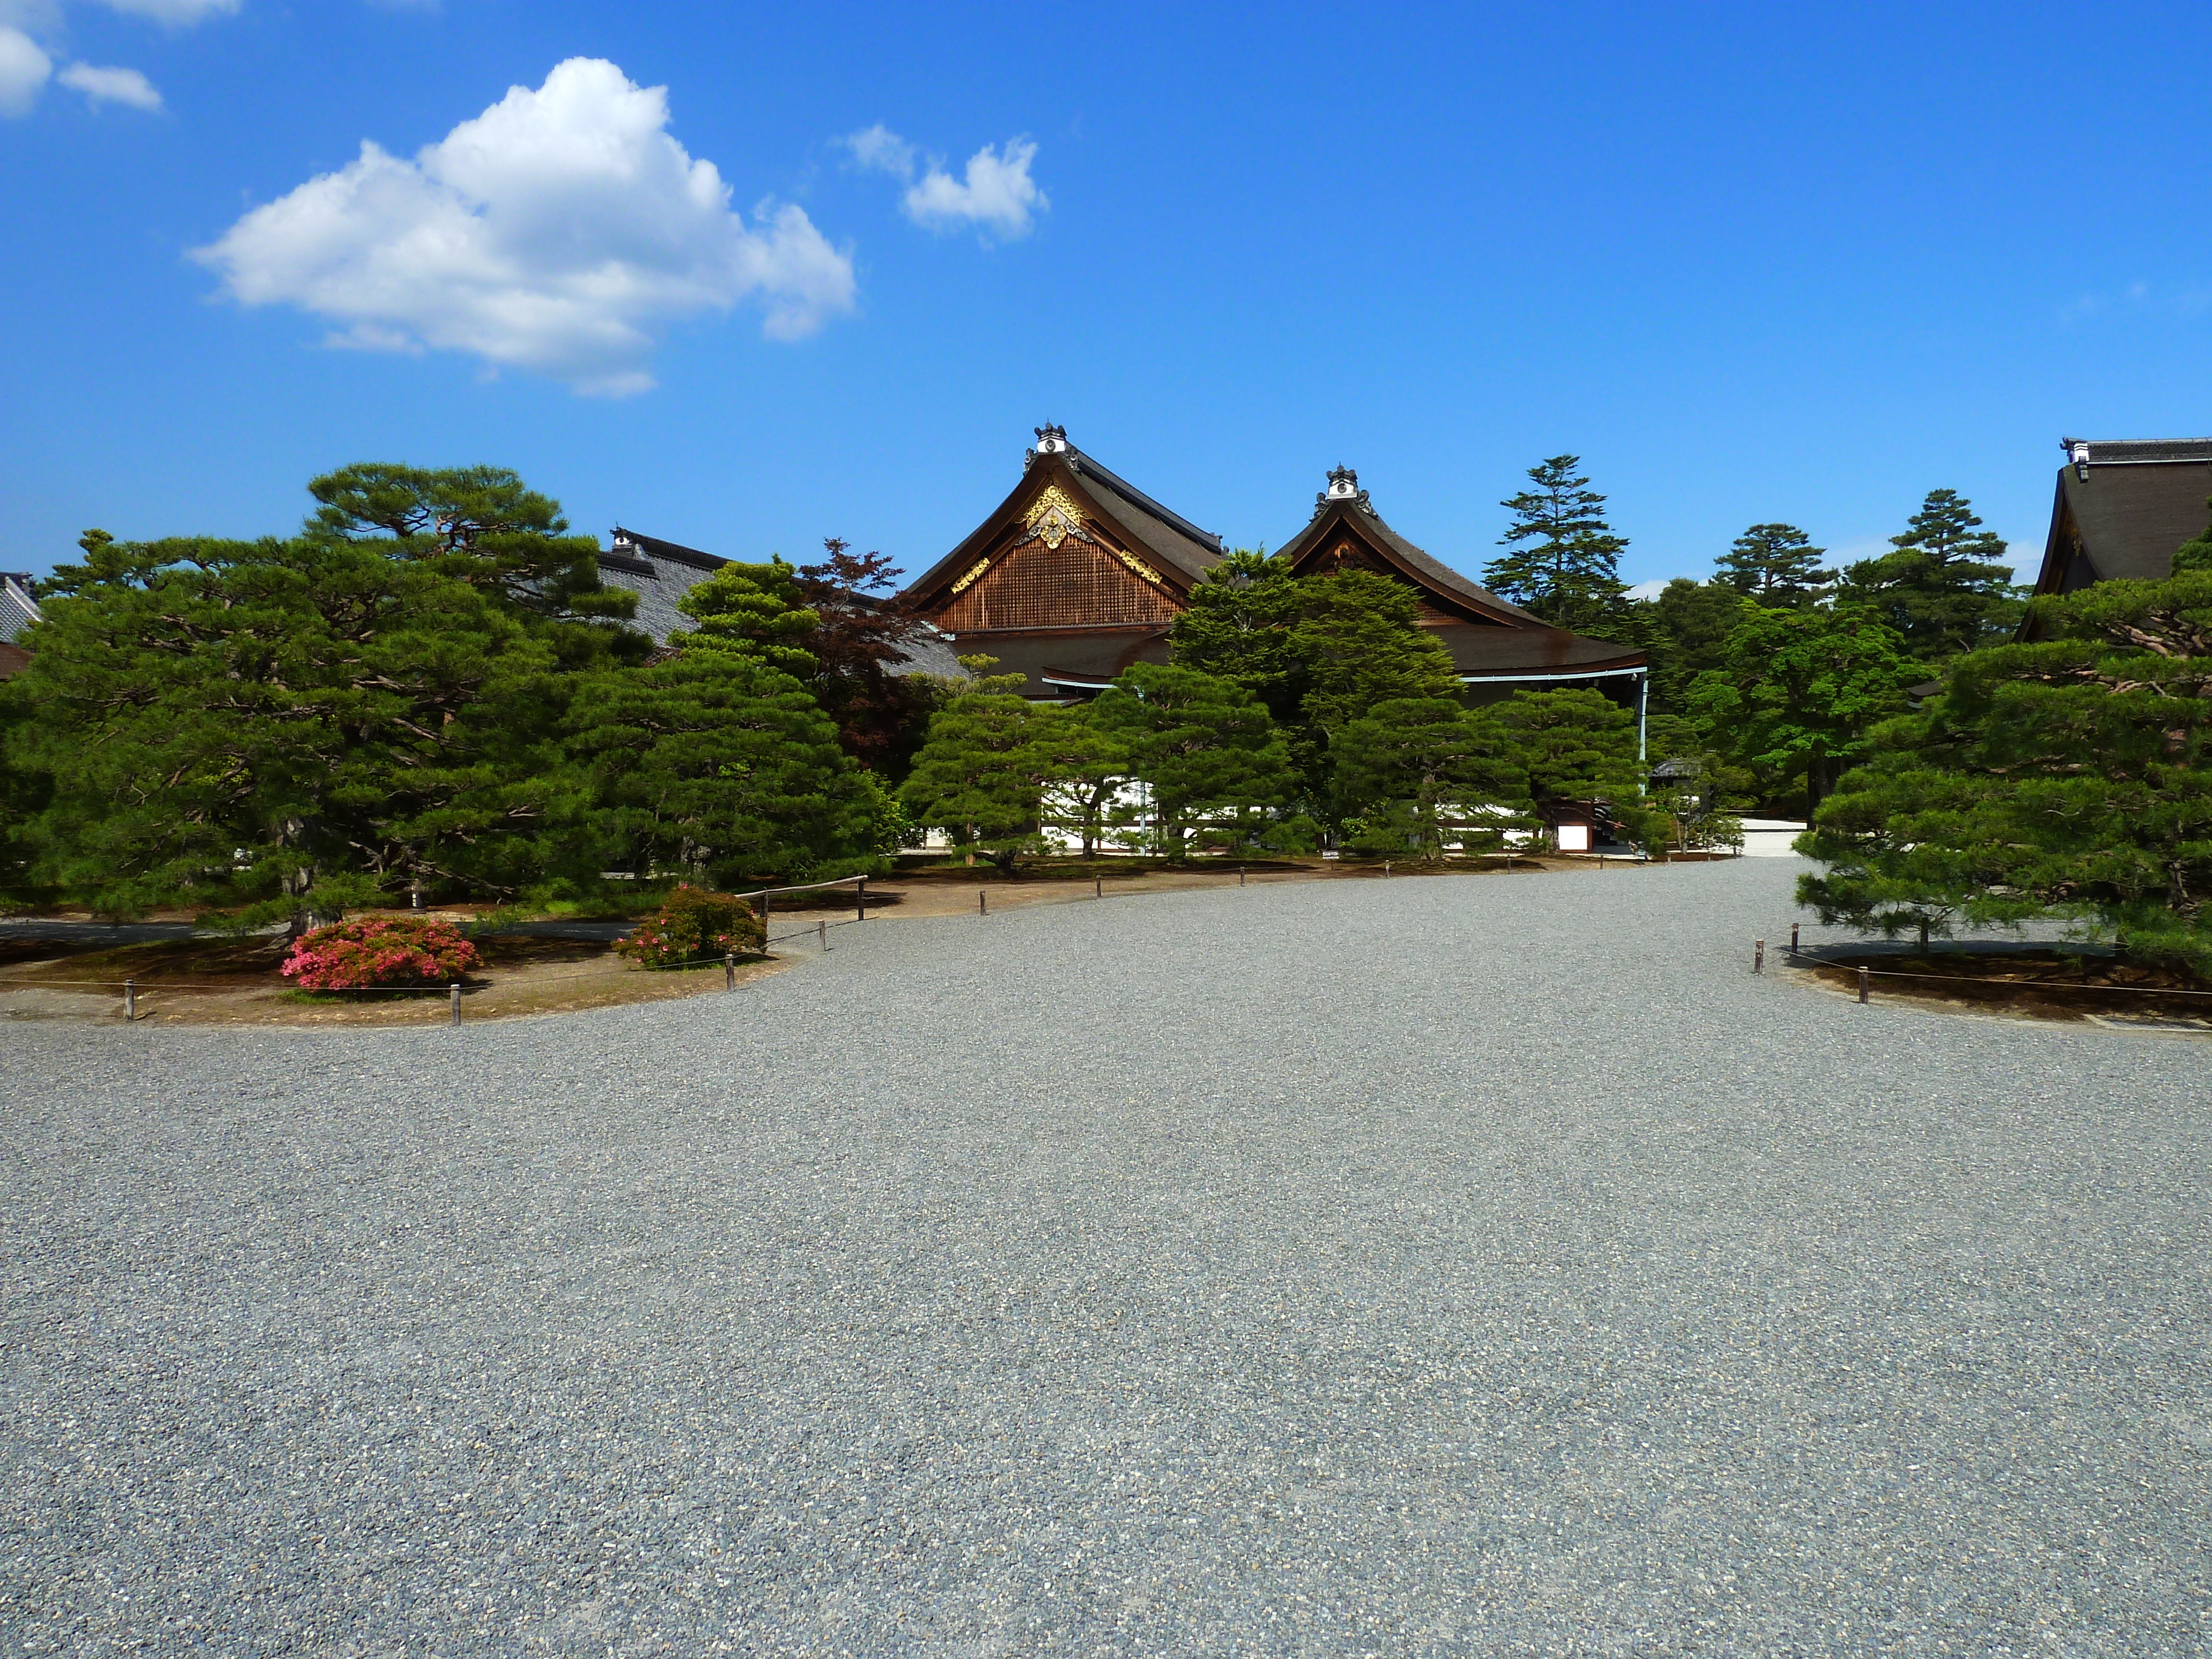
(18, 609)
(2121, 508)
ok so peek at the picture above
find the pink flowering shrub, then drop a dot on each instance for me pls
(378, 950)
(694, 925)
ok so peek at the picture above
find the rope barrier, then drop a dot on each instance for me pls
(2008, 984)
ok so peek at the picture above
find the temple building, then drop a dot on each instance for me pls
(1078, 574)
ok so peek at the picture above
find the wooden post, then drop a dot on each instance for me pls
(1386, 869)
(1862, 983)
(457, 1002)
(1793, 939)
(1759, 956)
(860, 900)
(130, 999)
(982, 905)
(730, 973)
(821, 933)
(1240, 875)
(1098, 887)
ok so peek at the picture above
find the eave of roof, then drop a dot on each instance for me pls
(676, 552)
(1357, 514)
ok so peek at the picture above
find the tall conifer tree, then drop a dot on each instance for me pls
(1565, 559)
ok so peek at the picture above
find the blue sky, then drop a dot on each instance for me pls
(1751, 262)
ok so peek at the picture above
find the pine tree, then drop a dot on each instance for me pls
(716, 763)
(1801, 690)
(1775, 564)
(1237, 628)
(1201, 745)
(1081, 767)
(1944, 589)
(976, 778)
(756, 610)
(1565, 562)
(1409, 762)
(1573, 744)
(2070, 778)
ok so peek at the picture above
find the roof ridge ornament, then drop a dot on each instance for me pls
(1051, 439)
(1344, 486)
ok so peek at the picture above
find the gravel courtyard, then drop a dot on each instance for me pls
(1469, 1266)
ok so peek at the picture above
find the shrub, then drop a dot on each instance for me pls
(380, 951)
(692, 924)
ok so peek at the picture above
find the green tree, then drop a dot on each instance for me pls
(2070, 778)
(1565, 560)
(1416, 762)
(976, 777)
(1237, 628)
(716, 764)
(757, 611)
(482, 525)
(1685, 631)
(1357, 641)
(289, 726)
(1775, 564)
(2195, 554)
(1081, 767)
(1801, 689)
(1575, 744)
(1945, 589)
(1201, 745)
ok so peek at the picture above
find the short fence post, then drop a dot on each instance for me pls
(860, 900)
(1386, 869)
(1240, 875)
(457, 1002)
(1862, 984)
(1098, 887)
(982, 906)
(730, 973)
(1759, 956)
(821, 933)
(130, 999)
(1793, 939)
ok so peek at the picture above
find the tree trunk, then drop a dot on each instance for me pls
(1923, 936)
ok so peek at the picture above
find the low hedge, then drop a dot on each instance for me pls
(694, 925)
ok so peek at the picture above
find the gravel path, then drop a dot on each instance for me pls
(1475, 1266)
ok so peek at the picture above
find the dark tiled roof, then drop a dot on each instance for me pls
(1087, 659)
(1538, 653)
(1175, 539)
(18, 610)
(2137, 452)
(2139, 502)
(1430, 572)
(660, 572)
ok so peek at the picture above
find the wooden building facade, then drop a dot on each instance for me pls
(1078, 574)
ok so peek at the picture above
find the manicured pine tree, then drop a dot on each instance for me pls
(1081, 767)
(1237, 628)
(1565, 562)
(976, 778)
(1201, 745)
(289, 727)
(2067, 778)
(756, 610)
(1411, 763)
(1775, 564)
(716, 763)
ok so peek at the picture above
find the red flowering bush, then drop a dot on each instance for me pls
(695, 924)
(380, 951)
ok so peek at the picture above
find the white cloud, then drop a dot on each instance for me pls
(878, 149)
(551, 233)
(174, 11)
(111, 85)
(23, 71)
(998, 193)
(1650, 590)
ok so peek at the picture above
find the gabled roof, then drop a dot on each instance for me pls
(1345, 505)
(1179, 549)
(2124, 506)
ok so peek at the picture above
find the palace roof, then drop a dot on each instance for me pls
(2121, 508)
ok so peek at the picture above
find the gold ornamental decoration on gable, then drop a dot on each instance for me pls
(968, 577)
(1054, 517)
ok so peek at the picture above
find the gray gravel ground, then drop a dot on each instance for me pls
(1478, 1266)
